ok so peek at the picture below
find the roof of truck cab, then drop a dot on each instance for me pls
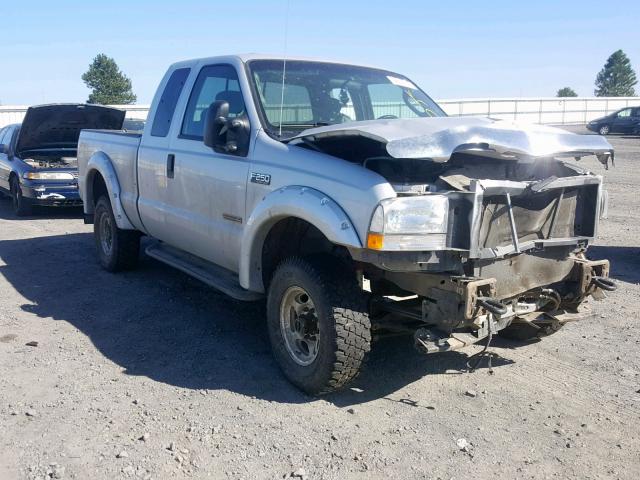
(246, 57)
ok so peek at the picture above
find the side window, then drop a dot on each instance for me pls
(10, 134)
(6, 135)
(624, 113)
(215, 82)
(168, 101)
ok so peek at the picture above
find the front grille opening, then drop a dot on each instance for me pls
(556, 214)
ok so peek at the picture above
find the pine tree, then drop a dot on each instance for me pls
(617, 78)
(566, 92)
(108, 84)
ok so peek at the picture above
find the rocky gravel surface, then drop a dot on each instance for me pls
(151, 375)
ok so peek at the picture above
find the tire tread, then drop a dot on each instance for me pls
(127, 243)
(349, 311)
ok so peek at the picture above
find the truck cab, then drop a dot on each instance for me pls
(345, 197)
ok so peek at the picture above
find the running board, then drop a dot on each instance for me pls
(213, 275)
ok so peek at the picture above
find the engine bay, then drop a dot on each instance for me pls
(416, 176)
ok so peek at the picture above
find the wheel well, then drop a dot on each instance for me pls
(98, 188)
(295, 237)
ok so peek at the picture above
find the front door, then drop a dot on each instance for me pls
(623, 122)
(206, 195)
(635, 121)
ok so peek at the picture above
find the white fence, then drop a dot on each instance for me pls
(548, 110)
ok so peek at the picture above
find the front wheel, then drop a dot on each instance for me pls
(22, 207)
(318, 323)
(117, 249)
(604, 130)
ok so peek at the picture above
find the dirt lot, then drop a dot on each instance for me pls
(149, 374)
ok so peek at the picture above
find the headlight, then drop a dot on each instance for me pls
(48, 176)
(409, 223)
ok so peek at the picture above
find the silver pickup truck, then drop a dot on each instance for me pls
(348, 199)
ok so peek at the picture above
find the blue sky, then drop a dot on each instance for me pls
(454, 49)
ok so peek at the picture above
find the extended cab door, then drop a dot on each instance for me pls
(205, 192)
(153, 155)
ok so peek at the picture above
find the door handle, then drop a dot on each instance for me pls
(171, 162)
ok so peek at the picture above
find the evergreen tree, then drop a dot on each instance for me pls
(617, 78)
(566, 92)
(108, 84)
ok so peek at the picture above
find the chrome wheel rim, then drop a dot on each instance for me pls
(299, 326)
(106, 234)
(604, 130)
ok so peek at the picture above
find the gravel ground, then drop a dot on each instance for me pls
(149, 374)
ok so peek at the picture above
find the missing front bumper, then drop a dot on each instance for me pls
(538, 324)
(452, 312)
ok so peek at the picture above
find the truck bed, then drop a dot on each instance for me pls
(121, 147)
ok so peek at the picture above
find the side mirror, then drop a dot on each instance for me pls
(224, 134)
(4, 149)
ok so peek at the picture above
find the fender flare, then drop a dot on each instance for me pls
(101, 163)
(300, 202)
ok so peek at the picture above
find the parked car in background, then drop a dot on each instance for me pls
(625, 120)
(38, 163)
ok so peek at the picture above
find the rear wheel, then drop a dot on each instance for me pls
(117, 249)
(22, 207)
(604, 130)
(318, 323)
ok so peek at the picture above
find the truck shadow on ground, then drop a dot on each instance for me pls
(625, 261)
(158, 323)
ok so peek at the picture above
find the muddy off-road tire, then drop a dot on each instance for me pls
(318, 323)
(117, 249)
(22, 207)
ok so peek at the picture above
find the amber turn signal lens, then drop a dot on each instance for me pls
(374, 241)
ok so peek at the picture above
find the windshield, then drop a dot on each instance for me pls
(317, 94)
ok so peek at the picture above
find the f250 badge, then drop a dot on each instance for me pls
(261, 178)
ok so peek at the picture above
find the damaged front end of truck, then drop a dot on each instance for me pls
(488, 231)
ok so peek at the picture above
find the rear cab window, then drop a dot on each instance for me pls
(167, 104)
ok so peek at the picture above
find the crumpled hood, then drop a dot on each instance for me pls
(57, 126)
(438, 138)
